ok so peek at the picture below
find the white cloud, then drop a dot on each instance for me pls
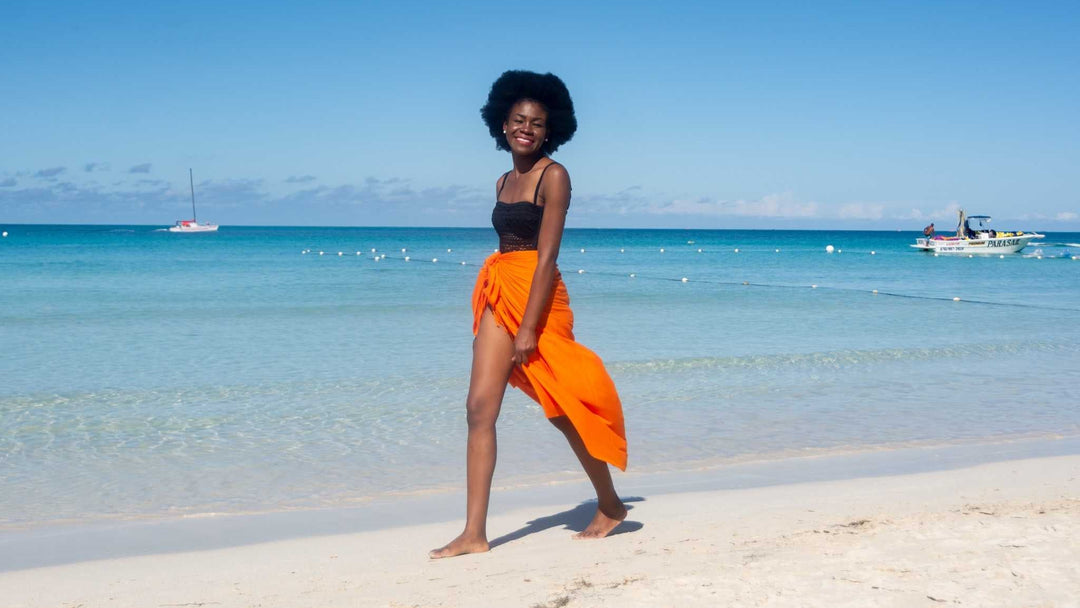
(50, 173)
(781, 205)
(861, 211)
(948, 212)
(1066, 216)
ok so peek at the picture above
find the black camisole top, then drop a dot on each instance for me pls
(518, 224)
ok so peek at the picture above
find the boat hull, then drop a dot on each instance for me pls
(1008, 244)
(194, 228)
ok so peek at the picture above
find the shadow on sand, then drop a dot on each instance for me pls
(575, 519)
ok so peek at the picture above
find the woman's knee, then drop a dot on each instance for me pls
(481, 412)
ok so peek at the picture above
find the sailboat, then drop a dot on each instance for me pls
(193, 224)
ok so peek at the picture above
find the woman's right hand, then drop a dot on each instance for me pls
(524, 346)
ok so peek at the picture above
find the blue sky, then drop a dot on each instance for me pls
(692, 114)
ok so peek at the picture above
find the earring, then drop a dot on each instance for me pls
(504, 131)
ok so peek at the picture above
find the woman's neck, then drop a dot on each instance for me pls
(524, 164)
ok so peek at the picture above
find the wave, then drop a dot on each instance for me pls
(838, 359)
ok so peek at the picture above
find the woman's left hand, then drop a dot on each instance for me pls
(524, 346)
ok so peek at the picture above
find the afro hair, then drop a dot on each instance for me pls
(547, 89)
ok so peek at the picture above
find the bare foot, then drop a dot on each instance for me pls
(460, 546)
(603, 523)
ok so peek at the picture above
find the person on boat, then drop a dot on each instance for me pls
(522, 322)
(928, 232)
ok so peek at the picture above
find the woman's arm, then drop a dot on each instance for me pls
(556, 194)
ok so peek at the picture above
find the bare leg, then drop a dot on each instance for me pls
(491, 367)
(610, 510)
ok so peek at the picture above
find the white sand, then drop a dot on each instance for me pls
(1002, 534)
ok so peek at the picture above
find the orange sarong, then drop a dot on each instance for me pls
(564, 377)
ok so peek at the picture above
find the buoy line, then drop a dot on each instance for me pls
(686, 279)
(876, 292)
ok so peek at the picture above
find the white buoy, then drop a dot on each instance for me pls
(303, 252)
(935, 255)
(1038, 257)
(402, 250)
(357, 253)
(777, 251)
(339, 254)
(813, 287)
(839, 251)
(449, 251)
(463, 263)
(746, 282)
(383, 256)
(632, 275)
(5, 234)
(320, 253)
(956, 299)
(372, 250)
(433, 260)
(376, 258)
(622, 251)
(406, 258)
(1001, 257)
(829, 249)
(970, 256)
(873, 253)
(736, 250)
(684, 279)
(689, 242)
(699, 251)
(581, 271)
(582, 250)
(875, 292)
(661, 250)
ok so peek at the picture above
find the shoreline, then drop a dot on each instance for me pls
(998, 534)
(70, 543)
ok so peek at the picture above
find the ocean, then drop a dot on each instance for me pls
(146, 374)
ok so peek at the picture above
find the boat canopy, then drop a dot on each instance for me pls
(978, 223)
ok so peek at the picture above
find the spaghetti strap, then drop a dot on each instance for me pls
(502, 185)
(536, 193)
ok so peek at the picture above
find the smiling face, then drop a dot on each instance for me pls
(526, 127)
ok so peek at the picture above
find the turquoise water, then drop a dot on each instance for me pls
(153, 374)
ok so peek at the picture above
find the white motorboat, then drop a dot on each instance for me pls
(974, 235)
(193, 224)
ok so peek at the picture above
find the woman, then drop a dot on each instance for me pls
(521, 314)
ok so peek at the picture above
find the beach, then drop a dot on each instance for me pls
(997, 534)
(269, 385)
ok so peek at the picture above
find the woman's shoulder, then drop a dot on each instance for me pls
(557, 171)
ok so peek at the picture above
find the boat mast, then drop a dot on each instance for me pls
(191, 179)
